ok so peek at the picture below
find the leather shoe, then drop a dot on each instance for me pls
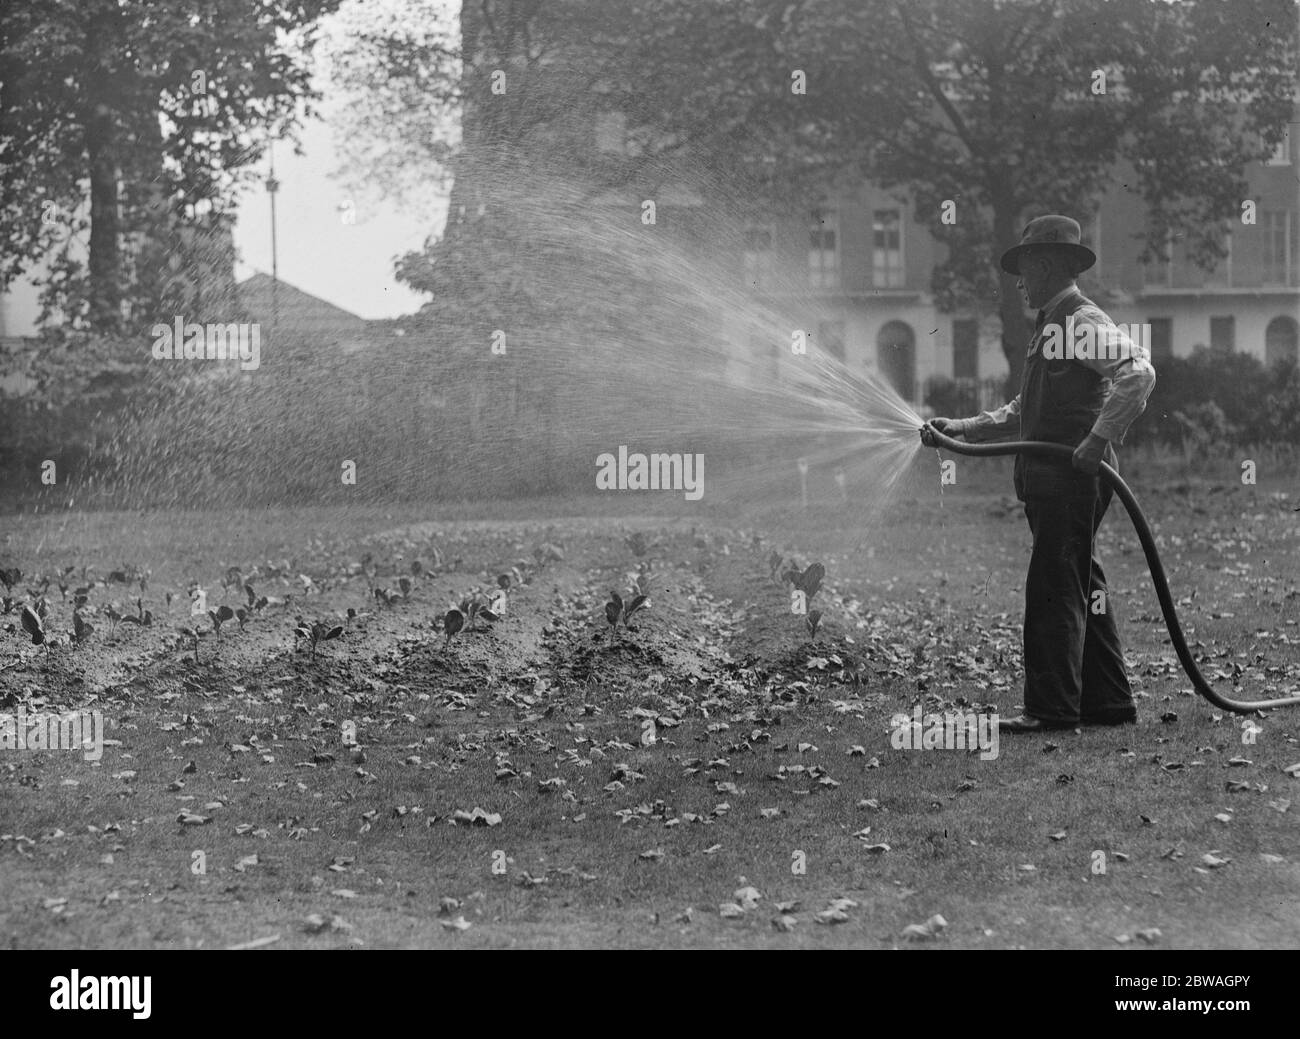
(1028, 723)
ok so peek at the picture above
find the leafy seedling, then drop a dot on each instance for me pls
(548, 553)
(82, 629)
(233, 581)
(385, 596)
(774, 563)
(809, 581)
(472, 607)
(318, 633)
(142, 618)
(33, 626)
(641, 583)
(406, 585)
(452, 623)
(255, 602)
(113, 616)
(219, 616)
(617, 609)
(637, 543)
(813, 619)
(242, 615)
(192, 633)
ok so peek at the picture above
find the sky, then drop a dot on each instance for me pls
(350, 265)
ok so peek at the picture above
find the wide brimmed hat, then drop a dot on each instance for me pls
(1056, 232)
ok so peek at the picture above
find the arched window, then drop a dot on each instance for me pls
(896, 357)
(1281, 340)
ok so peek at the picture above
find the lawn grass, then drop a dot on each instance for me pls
(930, 598)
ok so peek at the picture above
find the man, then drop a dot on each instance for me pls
(1087, 399)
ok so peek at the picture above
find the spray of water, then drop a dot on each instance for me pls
(653, 341)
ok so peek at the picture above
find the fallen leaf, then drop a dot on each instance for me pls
(747, 897)
(930, 929)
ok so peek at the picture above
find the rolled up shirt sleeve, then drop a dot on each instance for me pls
(1125, 365)
(993, 425)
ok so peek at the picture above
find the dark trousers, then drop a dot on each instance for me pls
(1074, 665)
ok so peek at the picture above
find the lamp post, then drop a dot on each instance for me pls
(272, 186)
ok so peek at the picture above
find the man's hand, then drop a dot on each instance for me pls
(949, 427)
(1088, 455)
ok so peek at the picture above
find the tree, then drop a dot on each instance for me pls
(998, 106)
(128, 118)
(994, 105)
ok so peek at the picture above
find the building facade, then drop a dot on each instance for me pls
(855, 272)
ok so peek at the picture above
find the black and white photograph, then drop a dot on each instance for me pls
(651, 475)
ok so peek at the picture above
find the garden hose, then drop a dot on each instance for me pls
(1038, 447)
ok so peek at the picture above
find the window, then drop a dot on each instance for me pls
(823, 250)
(1162, 338)
(830, 337)
(611, 132)
(758, 257)
(1282, 153)
(1161, 272)
(1223, 333)
(1281, 341)
(965, 349)
(887, 249)
(896, 357)
(1279, 257)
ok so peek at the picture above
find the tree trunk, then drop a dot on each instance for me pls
(103, 51)
(1015, 329)
(105, 220)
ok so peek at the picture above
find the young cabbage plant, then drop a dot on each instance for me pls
(82, 629)
(474, 606)
(812, 620)
(774, 563)
(317, 633)
(452, 622)
(219, 616)
(34, 626)
(617, 609)
(143, 618)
